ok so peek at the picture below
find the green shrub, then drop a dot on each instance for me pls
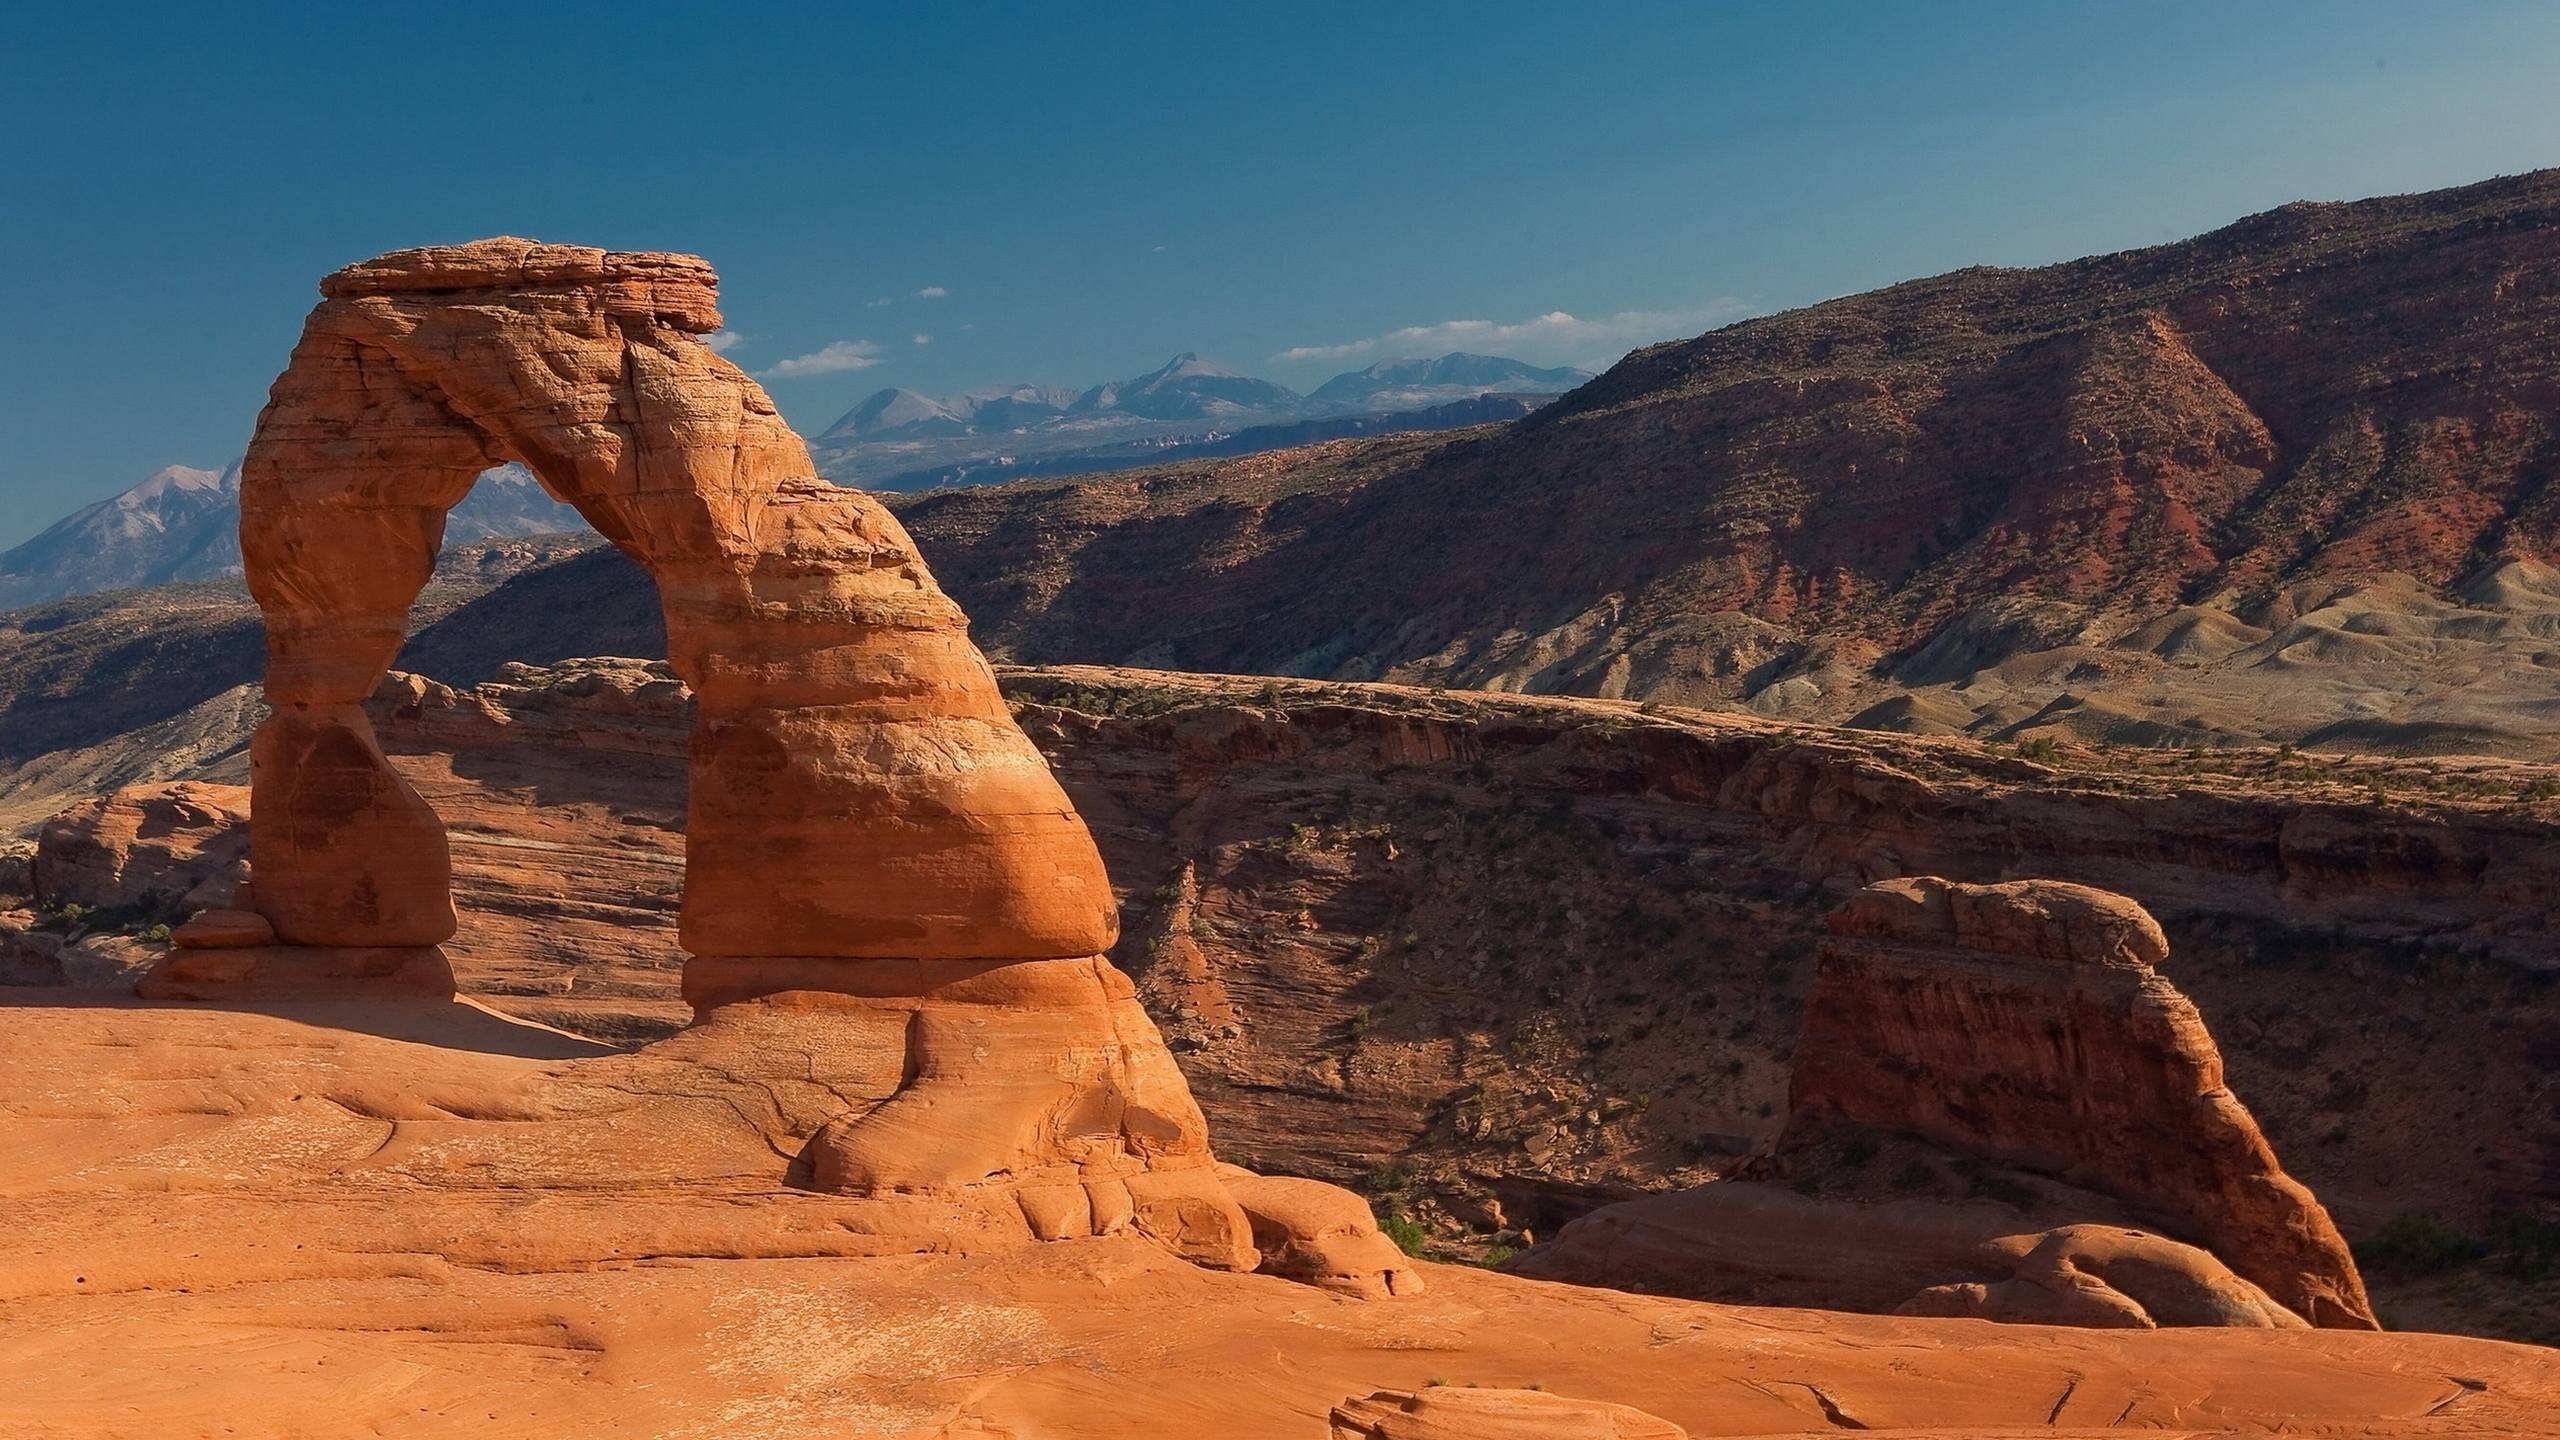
(2527, 1247)
(1403, 1229)
(148, 917)
(2416, 1243)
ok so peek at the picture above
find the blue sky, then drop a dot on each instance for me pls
(1093, 188)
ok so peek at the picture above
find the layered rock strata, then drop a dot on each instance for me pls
(2026, 1022)
(1445, 1412)
(859, 789)
(2017, 1039)
(865, 821)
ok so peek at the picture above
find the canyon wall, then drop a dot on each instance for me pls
(1504, 959)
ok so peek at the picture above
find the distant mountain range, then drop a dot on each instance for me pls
(2291, 480)
(1163, 449)
(1413, 384)
(902, 440)
(184, 524)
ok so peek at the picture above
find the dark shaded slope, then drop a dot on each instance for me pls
(2326, 389)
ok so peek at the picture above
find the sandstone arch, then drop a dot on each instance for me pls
(859, 789)
(869, 832)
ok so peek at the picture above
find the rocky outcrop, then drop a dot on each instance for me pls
(1387, 931)
(2023, 1025)
(865, 821)
(2026, 1022)
(858, 789)
(1816, 1238)
(1446, 1412)
(1320, 1235)
(2110, 1278)
(170, 849)
(379, 1219)
(33, 953)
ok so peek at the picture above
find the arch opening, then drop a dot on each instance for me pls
(858, 790)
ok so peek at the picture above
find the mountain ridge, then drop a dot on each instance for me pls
(2292, 479)
(183, 524)
(1453, 376)
(899, 439)
(2040, 460)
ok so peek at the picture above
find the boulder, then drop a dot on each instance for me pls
(2108, 1277)
(176, 847)
(223, 930)
(50, 957)
(2017, 1038)
(2025, 1022)
(1321, 1235)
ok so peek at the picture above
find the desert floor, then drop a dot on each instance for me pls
(415, 1218)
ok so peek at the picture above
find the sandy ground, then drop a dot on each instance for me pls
(414, 1219)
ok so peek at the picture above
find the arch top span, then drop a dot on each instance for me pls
(859, 789)
(866, 820)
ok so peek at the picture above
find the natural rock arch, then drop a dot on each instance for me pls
(859, 789)
(870, 834)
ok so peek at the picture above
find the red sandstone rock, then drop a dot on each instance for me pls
(1045, 1077)
(2105, 1277)
(2017, 1026)
(859, 788)
(1321, 1235)
(1449, 1412)
(223, 930)
(298, 972)
(365, 1217)
(1765, 1243)
(2024, 1022)
(182, 845)
(865, 821)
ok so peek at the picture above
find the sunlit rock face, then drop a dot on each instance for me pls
(859, 789)
(869, 832)
(2062, 1146)
(2026, 1021)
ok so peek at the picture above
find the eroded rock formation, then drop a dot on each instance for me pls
(2012, 1049)
(1275, 842)
(1320, 1235)
(368, 1219)
(172, 849)
(2026, 1022)
(1446, 1412)
(859, 789)
(865, 821)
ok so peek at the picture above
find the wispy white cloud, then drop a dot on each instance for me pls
(722, 341)
(882, 303)
(1554, 335)
(923, 339)
(931, 292)
(834, 359)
